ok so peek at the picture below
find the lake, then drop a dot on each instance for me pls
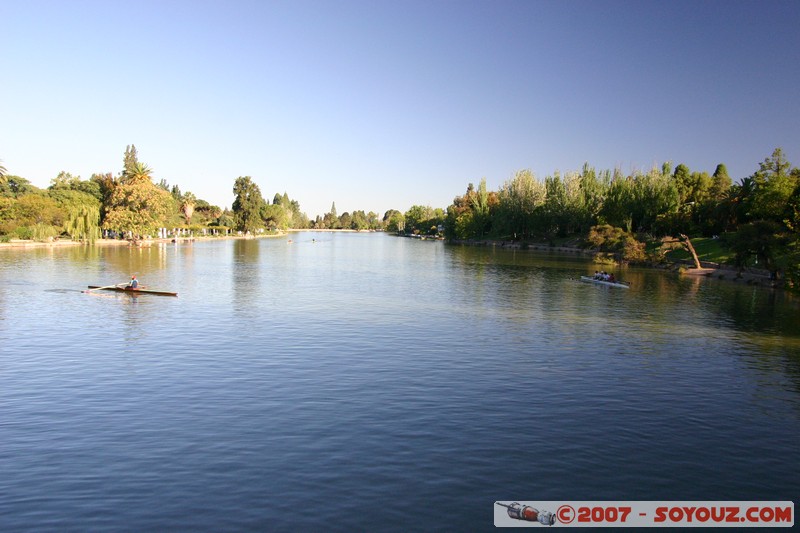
(363, 382)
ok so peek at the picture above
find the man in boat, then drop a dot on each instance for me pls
(134, 284)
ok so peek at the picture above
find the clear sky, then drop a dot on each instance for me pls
(383, 104)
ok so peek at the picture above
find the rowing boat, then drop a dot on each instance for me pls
(134, 292)
(620, 284)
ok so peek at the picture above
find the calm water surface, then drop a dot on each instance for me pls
(356, 382)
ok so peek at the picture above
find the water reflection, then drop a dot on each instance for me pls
(245, 272)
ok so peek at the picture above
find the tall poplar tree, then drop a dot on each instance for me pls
(129, 162)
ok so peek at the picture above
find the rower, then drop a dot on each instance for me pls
(134, 283)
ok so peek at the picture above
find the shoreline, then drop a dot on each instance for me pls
(720, 272)
(19, 243)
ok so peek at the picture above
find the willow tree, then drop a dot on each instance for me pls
(82, 223)
(137, 205)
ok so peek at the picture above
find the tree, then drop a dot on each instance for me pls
(136, 205)
(683, 178)
(592, 191)
(16, 186)
(394, 221)
(274, 216)
(106, 183)
(481, 210)
(129, 161)
(64, 180)
(682, 242)
(331, 220)
(764, 240)
(359, 221)
(83, 223)
(519, 201)
(37, 208)
(618, 205)
(139, 172)
(417, 218)
(617, 242)
(720, 183)
(188, 202)
(247, 205)
(773, 186)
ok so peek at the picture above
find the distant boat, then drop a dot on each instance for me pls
(620, 284)
(134, 292)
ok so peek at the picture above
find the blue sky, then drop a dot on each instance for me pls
(380, 105)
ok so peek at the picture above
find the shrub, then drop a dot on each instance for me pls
(616, 241)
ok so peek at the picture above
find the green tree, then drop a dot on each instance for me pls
(137, 205)
(592, 190)
(683, 181)
(129, 162)
(519, 201)
(359, 221)
(331, 220)
(773, 186)
(416, 218)
(761, 243)
(654, 195)
(16, 186)
(561, 205)
(37, 208)
(65, 181)
(106, 183)
(274, 216)
(394, 221)
(480, 203)
(83, 223)
(720, 183)
(617, 210)
(139, 172)
(616, 242)
(247, 205)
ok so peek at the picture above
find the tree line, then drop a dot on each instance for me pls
(758, 218)
(128, 204)
(131, 205)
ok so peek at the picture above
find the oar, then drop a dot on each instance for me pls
(101, 288)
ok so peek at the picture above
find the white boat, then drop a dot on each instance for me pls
(620, 284)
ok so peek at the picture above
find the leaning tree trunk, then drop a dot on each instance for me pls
(689, 247)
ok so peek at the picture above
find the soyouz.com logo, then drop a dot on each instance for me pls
(644, 514)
